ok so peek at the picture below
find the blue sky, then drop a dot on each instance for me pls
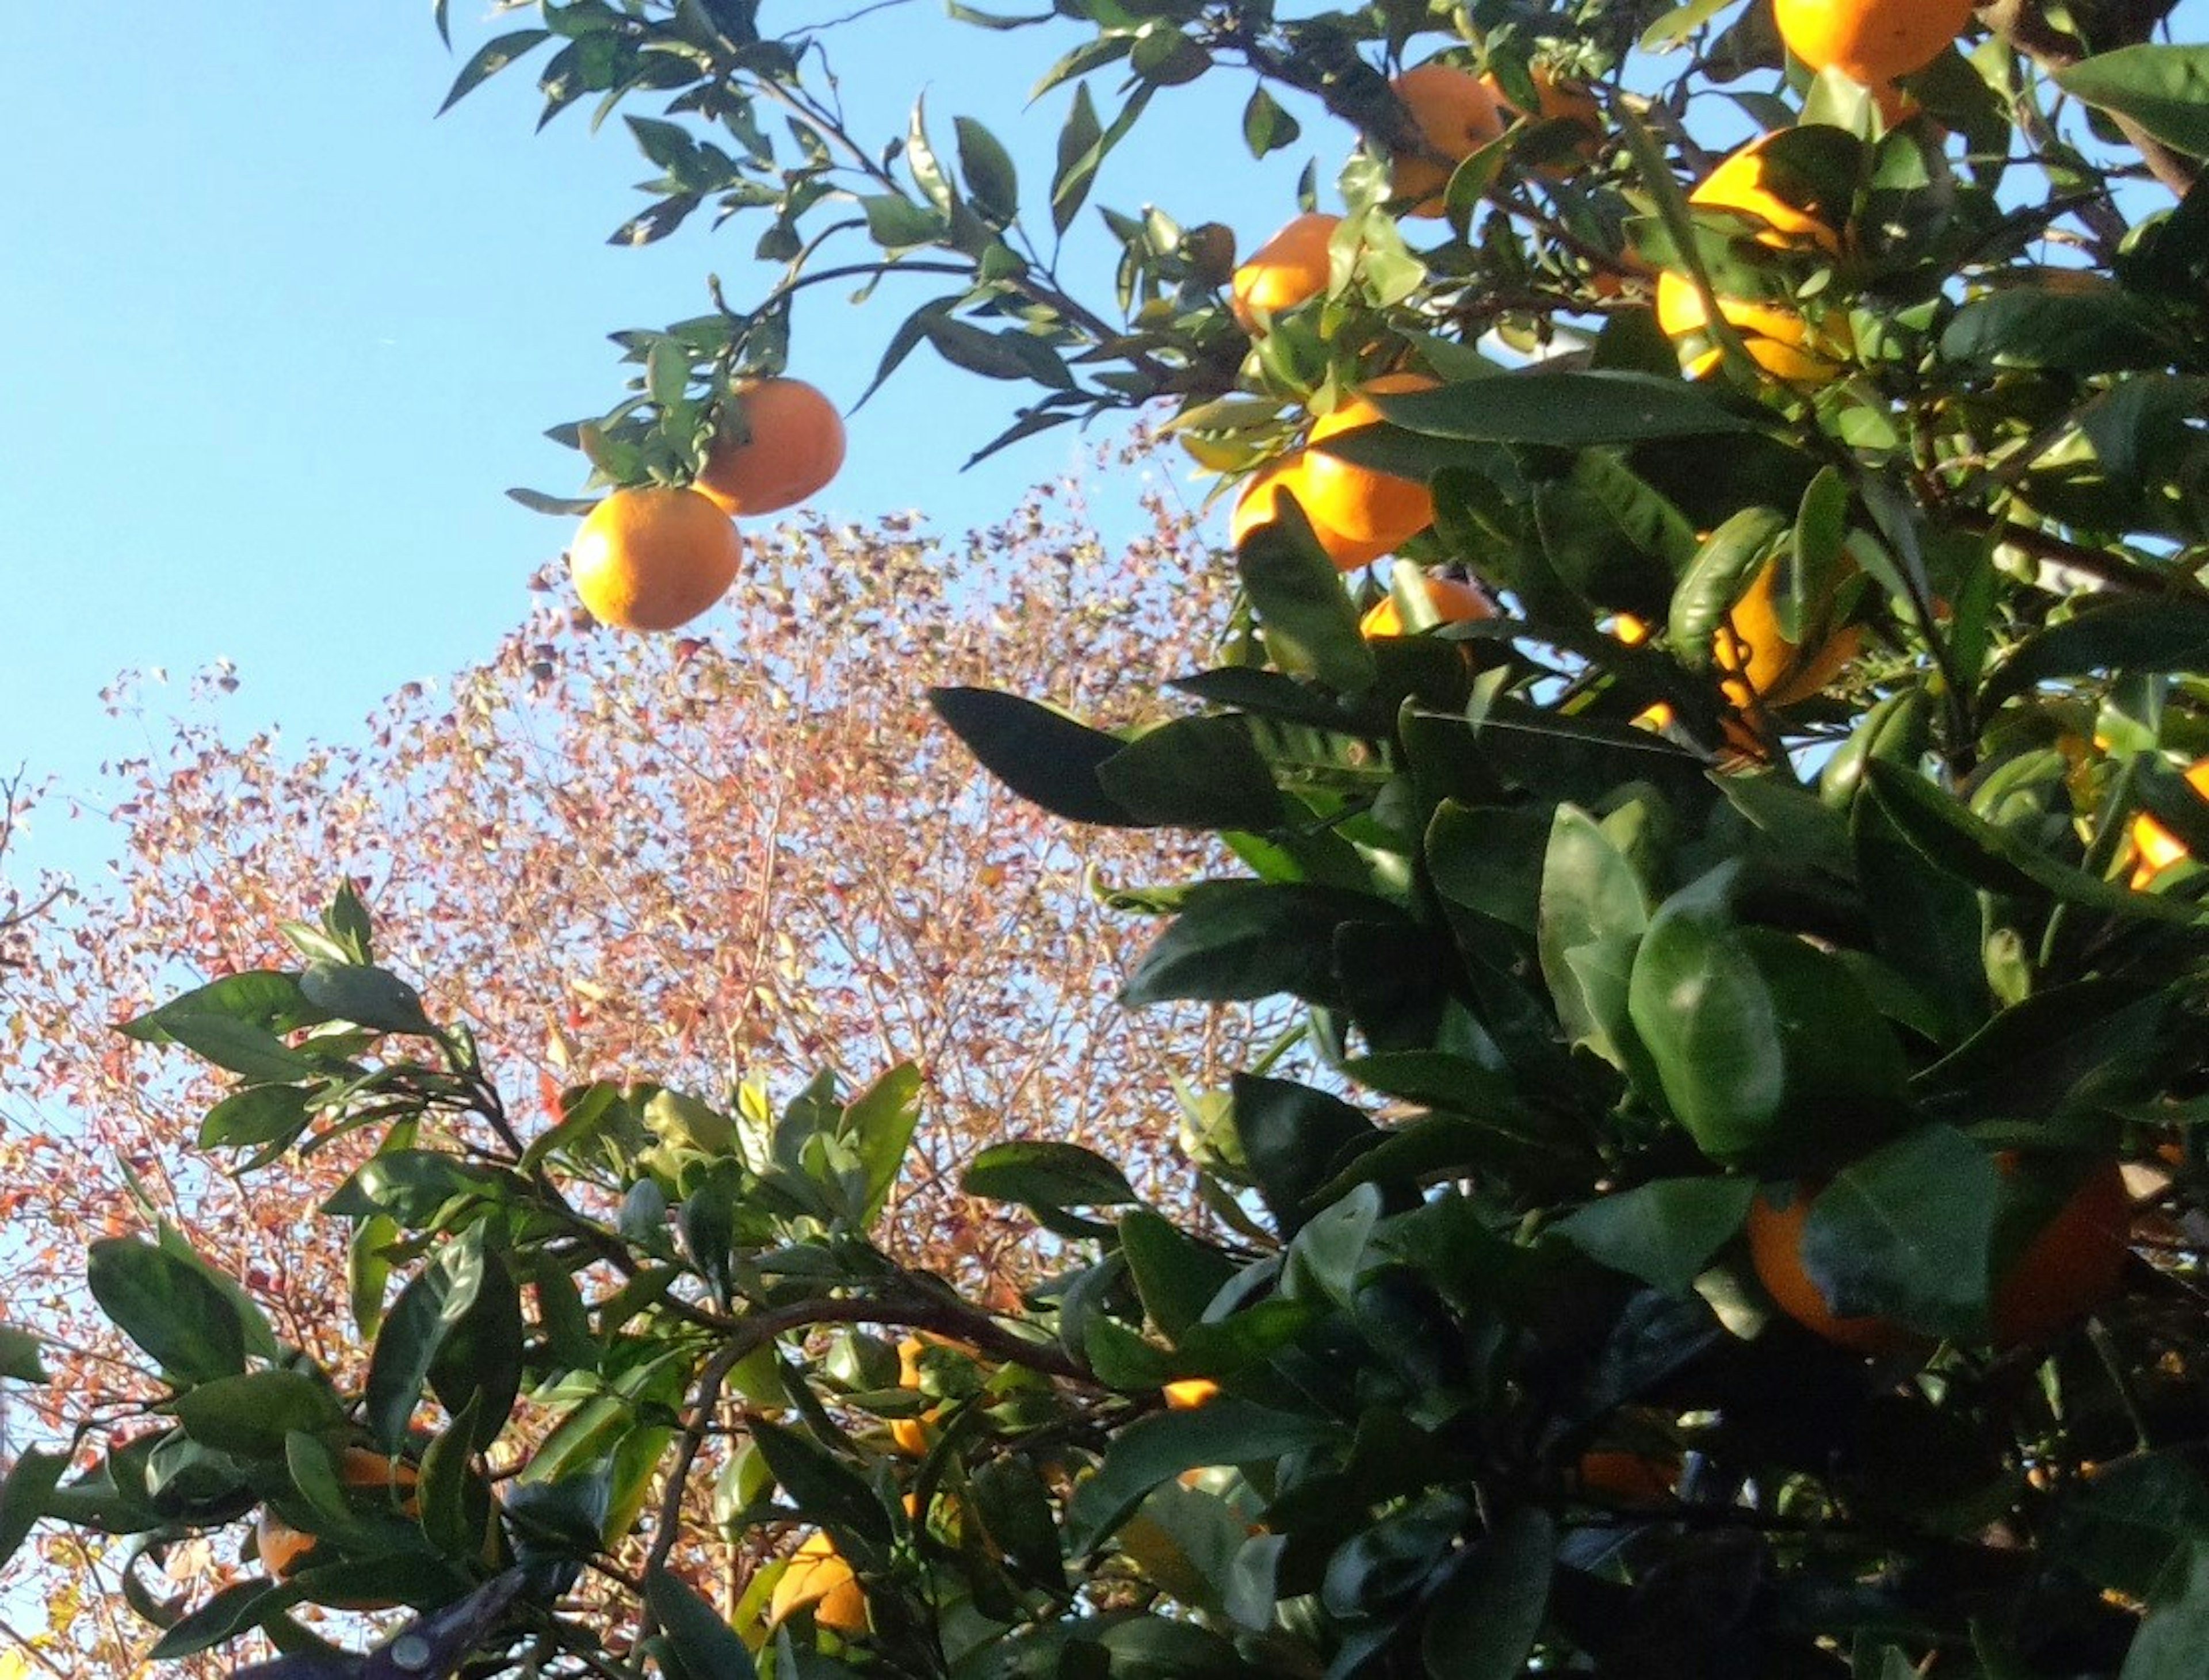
(281, 341)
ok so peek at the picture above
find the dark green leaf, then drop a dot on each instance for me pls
(1294, 1139)
(1041, 754)
(2165, 89)
(2130, 634)
(702, 1645)
(2104, 330)
(24, 1495)
(1047, 1175)
(256, 1115)
(164, 1304)
(821, 1485)
(1193, 772)
(19, 1359)
(1907, 1232)
(1568, 410)
(1487, 1613)
(1158, 1449)
(251, 1415)
(238, 1608)
(1663, 1234)
(1309, 625)
(489, 59)
(992, 180)
(1238, 940)
(2171, 1641)
(1265, 126)
(1176, 1276)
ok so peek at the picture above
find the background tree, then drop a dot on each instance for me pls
(1762, 925)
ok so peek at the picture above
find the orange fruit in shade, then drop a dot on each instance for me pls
(1775, 1248)
(1362, 503)
(284, 1551)
(2074, 1263)
(1777, 337)
(817, 1575)
(911, 1434)
(1189, 1393)
(1765, 667)
(2154, 847)
(1288, 269)
(781, 441)
(1258, 505)
(2070, 1266)
(653, 558)
(1629, 1479)
(1873, 41)
(1452, 600)
(1556, 101)
(1455, 115)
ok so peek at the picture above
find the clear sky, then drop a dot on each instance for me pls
(279, 341)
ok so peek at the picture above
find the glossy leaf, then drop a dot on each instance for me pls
(191, 1328)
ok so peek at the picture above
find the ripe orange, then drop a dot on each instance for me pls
(2072, 1265)
(1629, 1479)
(1765, 667)
(781, 441)
(818, 1575)
(654, 558)
(284, 1551)
(1289, 268)
(1362, 503)
(1873, 41)
(1777, 337)
(1257, 507)
(1189, 1393)
(1452, 600)
(2154, 847)
(1775, 1247)
(1556, 101)
(911, 1434)
(1456, 115)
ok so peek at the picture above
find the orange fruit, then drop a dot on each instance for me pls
(1629, 1478)
(1766, 668)
(911, 1434)
(818, 1575)
(1873, 41)
(2154, 847)
(1775, 1247)
(1189, 1393)
(2072, 1265)
(1556, 101)
(1364, 504)
(1288, 269)
(781, 441)
(284, 1551)
(654, 558)
(1456, 115)
(1777, 337)
(1257, 506)
(1452, 600)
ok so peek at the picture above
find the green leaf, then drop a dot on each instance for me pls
(19, 1359)
(24, 1495)
(412, 1186)
(824, 1487)
(1973, 850)
(1040, 753)
(489, 59)
(251, 1415)
(1238, 940)
(1665, 1233)
(1047, 1175)
(1157, 1448)
(2165, 89)
(257, 1115)
(461, 1306)
(703, 1646)
(164, 1304)
(1193, 772)
(896, 224)
(1486, 1615)
(992, 180)
(1907, 1234)
(1176, 1276)
(1722, 569)
(1294, 1140)
(1569, 410)
(2105, 330)
(2126, 1528)
(1266, 126)
(235, 1610)
(2129, 635)
(1309, 623)
(2171, 1641)
(1079, 141)
(879, 1124)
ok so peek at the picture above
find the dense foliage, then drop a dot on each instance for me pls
(1748, 1221)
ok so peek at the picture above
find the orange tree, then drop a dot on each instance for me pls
(1746, 1223)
